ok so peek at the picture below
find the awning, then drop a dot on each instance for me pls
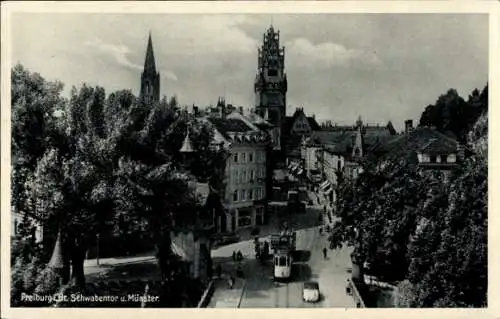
(179, 252)
(325, 187)
(278, 203)
(324, 184)
(328, 190)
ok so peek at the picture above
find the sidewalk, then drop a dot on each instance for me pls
(90, 265)
(224, 297)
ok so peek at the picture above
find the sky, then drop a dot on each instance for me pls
(339, 66)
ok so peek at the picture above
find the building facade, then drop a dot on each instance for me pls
(270, 85)
(245, 179)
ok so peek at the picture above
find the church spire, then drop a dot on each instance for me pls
(150, 79)
(149, 63)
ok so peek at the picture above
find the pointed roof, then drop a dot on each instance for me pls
(56, 261)
(187, 146)
(149, 62)
(358, 144)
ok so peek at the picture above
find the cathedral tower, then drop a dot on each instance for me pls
(150, 79)
(271, 84)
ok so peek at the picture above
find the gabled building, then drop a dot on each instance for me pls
(296, 130)
(428, 148)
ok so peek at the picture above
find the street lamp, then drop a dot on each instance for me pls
(97, 248)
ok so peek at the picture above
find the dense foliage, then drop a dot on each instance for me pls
(83, 166)
(451, 113)
(414, 227)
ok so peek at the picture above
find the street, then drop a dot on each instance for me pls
(258, 290)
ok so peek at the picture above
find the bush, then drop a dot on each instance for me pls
(23, 277)
(405, 296)
(48, 281)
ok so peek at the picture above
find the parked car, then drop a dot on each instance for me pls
(310, 291)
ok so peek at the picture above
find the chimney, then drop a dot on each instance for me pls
(408, 126)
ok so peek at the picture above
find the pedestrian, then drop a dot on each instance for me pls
(230, 282)
(234, 256)
(324, 252)
(348, 287)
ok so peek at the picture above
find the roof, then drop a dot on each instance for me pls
(439, 146)
(312, 122)
(258, 120)
(418, 139)
(311, 285)
(289, 120)
(230, 125)
(187, 146)
(149, 61)
(326, 137)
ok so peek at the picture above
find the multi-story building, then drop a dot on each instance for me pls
(244, 196)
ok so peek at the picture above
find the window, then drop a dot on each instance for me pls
(235, 196)
(259, 193)
(243, 195)
(261, 156)
(235, 177)
(250, 157)
(235, 157)
(262, 172)
(244, 218)
(243, 176)
(281, 261)
(243, 157)
(272, 72)
(250, 194)
(252, 175)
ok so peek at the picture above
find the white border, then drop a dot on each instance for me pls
(490, 7)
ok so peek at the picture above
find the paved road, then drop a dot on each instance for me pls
(258, 289)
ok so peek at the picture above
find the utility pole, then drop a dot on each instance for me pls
(97, 249)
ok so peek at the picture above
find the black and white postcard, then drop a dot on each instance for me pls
(247, 155)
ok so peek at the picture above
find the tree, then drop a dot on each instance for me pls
(413, 226)
(35, 104)
(452, 113)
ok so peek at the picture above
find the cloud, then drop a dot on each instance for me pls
(210, 34)
(169, 75)
(331, 54)
(119, 54)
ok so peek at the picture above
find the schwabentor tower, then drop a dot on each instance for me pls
(271, 84)
(150, 79)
